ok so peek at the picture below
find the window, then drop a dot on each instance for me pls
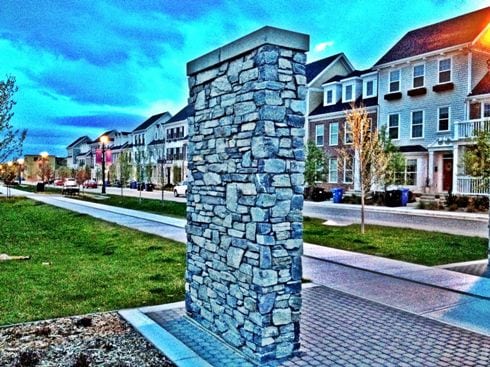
(332, 170)
(417, 124)
(329, 99)
(333, 134)
(369, 89)
(418, 76)
(444, 70)
(347, 133)
(443, 118)
(348, 93)
(394, 81)
(486, 110)
(411, 172)
(348, 170)
(394, 126)
(319, 133)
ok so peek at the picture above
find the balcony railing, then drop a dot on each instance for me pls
(469, 185)
(468, 129)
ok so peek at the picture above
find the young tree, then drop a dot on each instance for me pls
(314, 165)
(396, 160)
(63, 172)
(367, 148)
(125, 169)
(476, 161)
(82, 174)
(11, 139)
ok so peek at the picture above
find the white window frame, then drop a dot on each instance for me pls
(406, 172)
(330, 142)
(317, 135)
(398, 126)
(346, 125)
(351, 170)
(411, 124)
(448, 118)
(394, 81)
(344, 89)
(364, 88)
(482, 113)
(420, 76)
(330, 171)
(325, 101)
(450, 70)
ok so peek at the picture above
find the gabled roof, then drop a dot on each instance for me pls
(483, 87)
(108, 133)
(355, 73)
(182, 114)
(313, 69)
(147, 123)
(339, 106)
(453, 32)
(80, 140)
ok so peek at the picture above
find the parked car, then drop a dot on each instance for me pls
(180, 189)
(90, 184)
(59, 182)
(70, 187)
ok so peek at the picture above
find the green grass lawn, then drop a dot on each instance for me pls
(170, 208)
(93, 265)
(420, 247)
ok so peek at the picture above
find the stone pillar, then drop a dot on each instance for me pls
(245, 193)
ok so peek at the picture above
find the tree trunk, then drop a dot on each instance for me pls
(363, 193)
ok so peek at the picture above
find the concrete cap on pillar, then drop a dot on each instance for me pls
(263, 36)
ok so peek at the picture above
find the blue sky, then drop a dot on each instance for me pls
(87, 66)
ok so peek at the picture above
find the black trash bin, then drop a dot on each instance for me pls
(393, 198)
(40, 187)
(140, 186)
(319, 194)
(149, 187)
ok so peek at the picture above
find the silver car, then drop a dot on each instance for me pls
(180, 189)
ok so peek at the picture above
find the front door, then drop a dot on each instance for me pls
(447, 174)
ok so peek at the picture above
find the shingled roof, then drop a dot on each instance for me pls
(316, 67)
(483, 86)
(147, 123)
(453, 32)
(79, 140)
(182, 114)
(344, 106)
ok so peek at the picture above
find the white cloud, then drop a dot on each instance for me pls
(323, 45)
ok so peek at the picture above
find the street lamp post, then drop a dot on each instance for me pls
(20, 164)
(104, 140)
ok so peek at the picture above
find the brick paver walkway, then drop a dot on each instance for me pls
(338, 329)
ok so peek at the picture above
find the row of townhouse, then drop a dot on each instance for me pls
(156, 149)
(430, 91)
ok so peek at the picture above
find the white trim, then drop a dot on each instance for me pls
(330, 133)
(327, 84)
(399, 81)
(351, 169)
(480, 35)
(334, 96)
(482, 109)
(448, 118)
(421, 76)
(470, 72)
(353, 92)
(364, 87)
(421, 56)
(350, 78)
(345, 134)
(477, 97)
(411, 123)
(450, 58)
(338, 114)
(369, 73)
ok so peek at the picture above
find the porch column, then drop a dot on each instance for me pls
(455, 168)
(430, 172)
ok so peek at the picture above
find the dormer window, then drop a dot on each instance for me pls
(394, 81)
(444, 71)
(329, 97)
(348, 93)
(369, 88)
(418, 76)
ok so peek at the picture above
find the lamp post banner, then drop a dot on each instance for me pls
(108, 156)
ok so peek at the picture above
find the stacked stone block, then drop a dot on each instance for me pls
(245, 199)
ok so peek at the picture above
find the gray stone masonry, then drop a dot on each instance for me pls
(245, 193)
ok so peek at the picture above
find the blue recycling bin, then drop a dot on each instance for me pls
(133, 185)
(404, 196)
(337, 195)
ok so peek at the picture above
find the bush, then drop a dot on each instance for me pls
(453, 207)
